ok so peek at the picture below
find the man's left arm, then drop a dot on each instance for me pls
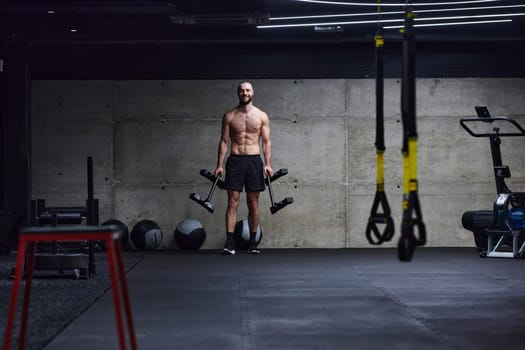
(266, 145)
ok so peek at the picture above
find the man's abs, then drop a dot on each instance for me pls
(241, 149)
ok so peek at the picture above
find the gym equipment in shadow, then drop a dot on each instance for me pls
(500, 232)
(55, 256)
(208, 205)
(206, 202)
(275, 207)
(123, 230)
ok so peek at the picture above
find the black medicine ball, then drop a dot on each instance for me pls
(146, 235)
(241, 235)
(189, 234)
(123, 228)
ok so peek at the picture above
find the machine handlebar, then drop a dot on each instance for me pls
(520, 131)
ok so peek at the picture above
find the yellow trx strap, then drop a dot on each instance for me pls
(373, 235)
(412, 217)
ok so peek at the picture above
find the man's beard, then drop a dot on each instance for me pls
(245, 102)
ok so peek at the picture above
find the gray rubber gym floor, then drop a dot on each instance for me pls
(315, 299)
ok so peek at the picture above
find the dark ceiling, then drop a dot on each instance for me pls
(160, 20)
(50, 27)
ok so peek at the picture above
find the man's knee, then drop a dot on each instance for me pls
(253, 202)
(253, 207)
(233, 201)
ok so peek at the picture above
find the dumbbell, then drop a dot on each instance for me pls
(206, 202)
(288, 200)
(209, 175)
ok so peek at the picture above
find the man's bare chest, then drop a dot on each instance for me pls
(246, 122)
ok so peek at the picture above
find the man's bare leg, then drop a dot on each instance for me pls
(231, 217)
(231, 211)
(252, 199)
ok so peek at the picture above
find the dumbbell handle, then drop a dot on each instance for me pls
(276, 207)
(212, 189)
(209, 175)
(268, 181)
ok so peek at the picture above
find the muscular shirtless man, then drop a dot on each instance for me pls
(243, 127)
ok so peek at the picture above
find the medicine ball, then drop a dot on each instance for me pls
(241, 235)
(146, 235)
(123, 228)
(189, 234)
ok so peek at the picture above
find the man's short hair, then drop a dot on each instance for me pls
(243, 82)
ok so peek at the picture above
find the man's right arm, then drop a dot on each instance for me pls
(223, 145)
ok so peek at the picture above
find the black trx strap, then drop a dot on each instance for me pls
(373, 233)
(412, 217)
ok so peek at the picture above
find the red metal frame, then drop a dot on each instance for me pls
(116, 272)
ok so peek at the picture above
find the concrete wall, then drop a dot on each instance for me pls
(150, 138)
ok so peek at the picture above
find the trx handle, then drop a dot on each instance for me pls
(373, 234)
(412, 216)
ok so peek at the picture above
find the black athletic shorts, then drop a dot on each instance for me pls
(244, 170)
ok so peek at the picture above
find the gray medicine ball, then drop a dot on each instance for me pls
(189, 234)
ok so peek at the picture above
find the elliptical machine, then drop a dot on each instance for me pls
(499, 232)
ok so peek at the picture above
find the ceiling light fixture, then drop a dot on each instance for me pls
(296, 25)
(475, 8)
(450, 23)
(364, 14)
(417, 19)
(374, 3)
(328, 29)
(470, 16)
(334, 16)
